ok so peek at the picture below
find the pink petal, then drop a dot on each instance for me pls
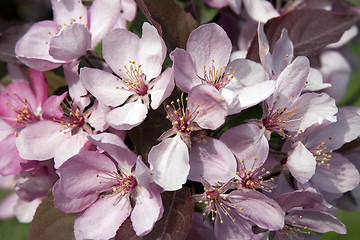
(40, 140)
(70, 147)
(184, 70)
(163, 88)
(217, 3)
(7, 205)
(247, 73)
(260, 10)
(169, 163)
(97, 117)
(336, 70)
(149, 205)
(314, 108)
(342, 175)
(211, 160)
(315, 81)
(127, 116)
(33, 48)
(241, 229)
(319, 221)
(67, 11)
(264, 50)
(72, 42)
(152, 51)
(102, 219)
(9, 160)
(212, 107)
(344, 130)
(283, 52)
(71, 205)
(143, 174)
(25, 211)
(103, 14)
(209, 46)
(301, 163)
(290, 82)
(117, 54)
(76, 89)
(40, 86)
(110, 91)
(116, 148)
(52, 108)
(252, 95)
(247, 141)
(253, 205)
(13, 97)
(83, 174)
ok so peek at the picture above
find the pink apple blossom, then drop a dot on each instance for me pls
(74, 30)
(138, 84)
(109, 188)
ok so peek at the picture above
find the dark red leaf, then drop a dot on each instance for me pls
(310, 30)
(51, 223)
(8, 39)
(172, 22)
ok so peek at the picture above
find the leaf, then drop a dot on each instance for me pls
(171, 21)
(177, 218)
(51, 223)
(8, 39)
(310, 30)
(204, 13)
(174, 224)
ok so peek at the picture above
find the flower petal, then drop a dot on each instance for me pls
(184, 70)
(211, 160)
(40, 140)
(109, 91)
(212, 107)
(169, 163)
(92, 224)
(152, 51)
(72, 42)
(127, 116)
(85, 174)
(209, 45)
(253, 205)
(103, 15)
(301, 163)
(149, 205)
(342, 175)
(163, 88)
(33, 48)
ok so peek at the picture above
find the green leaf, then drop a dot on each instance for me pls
(204, 13)
(51, 223)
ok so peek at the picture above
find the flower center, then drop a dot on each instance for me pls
(72, 117)
(322, 154)
(135, 79)
(181, 117)
(24, 112)
(282, 119)
(254, 178)
(217, 77)
(123, 185)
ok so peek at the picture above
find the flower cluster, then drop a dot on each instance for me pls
(258, 143)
